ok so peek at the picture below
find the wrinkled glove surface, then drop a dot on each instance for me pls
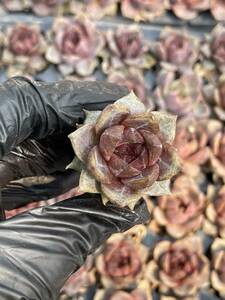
(41, 248)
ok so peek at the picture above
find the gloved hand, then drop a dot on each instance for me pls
(41, 248)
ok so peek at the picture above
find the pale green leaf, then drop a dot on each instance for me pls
(76, 164)
(132, 102)
(91, 116)
(167, 125)
(159, 188)
(87, 183)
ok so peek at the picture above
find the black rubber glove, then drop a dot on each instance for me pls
(41, 248)
(35, 119)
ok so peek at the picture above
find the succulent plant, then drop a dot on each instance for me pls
(192, 139)
(213, 49)
(188, 9)
(218, 9)
(121, 263)
(142, 292)
(214, 223)
(218, 266)
(75, 45)
(182, 96)
(45, 7)
(134, 80)
(179, 268)
(182, 212)
(16, 5)
(96, 9)
(142, 10)
(176, 49)
(126, 153)
(126, 47)
(24, 48)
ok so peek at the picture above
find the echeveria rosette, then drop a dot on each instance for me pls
(24, 48)
(16, 5)
(218, 9)
(142, 292)
(188, 9)
(134, 80)
(126, 47)
(45, 7)
(182, 212)
(218, 266)
(179, 268)
(213, 49)
(97, 9)
(75, 46)
(126, 152)
(176, 50)
(214, 223)
(143, 10)
(181, 96)
(121, 263)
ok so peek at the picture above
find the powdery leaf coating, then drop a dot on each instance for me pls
(127, 152)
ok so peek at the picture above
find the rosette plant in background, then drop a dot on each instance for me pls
(182, 95)
(121, 263)
(143, 10)
(134, 80)
(127, 152)
(24, 48)
(75, 45)
(126, 47)
(179, 269)
(188, 9)
(46, 7)
(218, 9)
(176, 49)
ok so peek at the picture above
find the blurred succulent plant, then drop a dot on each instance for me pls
(45, 7)
(134, 80)
(81, 279)
(142, 292)
(191, 141)
(176, 50)
(143, 10)
(97, 9)
(218, 266)
(188, 9)
(126, 47)
(182, 212)
(181, 96)
(126, 152)
(16, 5)
(217, 154)
(75, 45)
(179, 268)
(121, 264)
(218, 9)
(213, 49)
(24, 50)
(214, 224)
